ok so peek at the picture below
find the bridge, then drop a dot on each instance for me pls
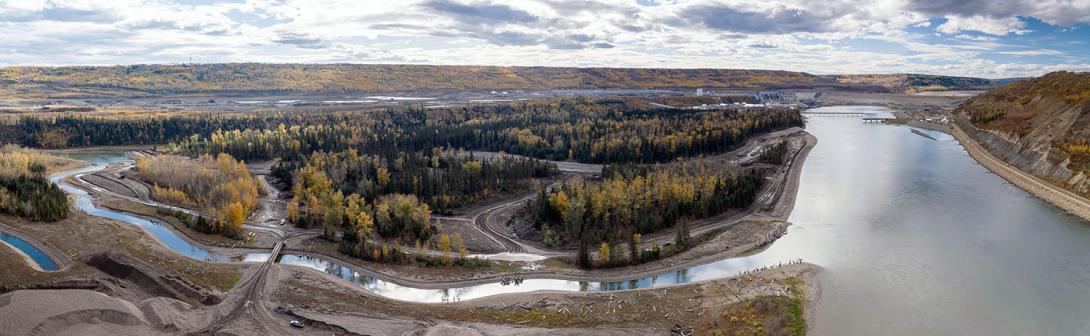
(276, 250)
(876, 119)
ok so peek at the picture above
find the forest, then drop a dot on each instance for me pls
(635, 200)
(316, 203)
(595, 131)
(442, 178)
(120, 130)
(25, 190)
(221, 187)
(585, 130)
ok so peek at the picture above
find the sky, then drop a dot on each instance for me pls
(979, 38)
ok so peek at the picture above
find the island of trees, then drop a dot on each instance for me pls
(221, 187)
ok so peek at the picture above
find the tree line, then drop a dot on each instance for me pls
(442, 178)
(585, 130)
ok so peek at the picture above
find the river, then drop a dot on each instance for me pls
(916, 238)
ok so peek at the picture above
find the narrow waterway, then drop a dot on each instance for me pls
(916, 238)
(37, 256)
(159, 230)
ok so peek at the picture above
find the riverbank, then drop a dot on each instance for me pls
(1040, 188)
(322, 301)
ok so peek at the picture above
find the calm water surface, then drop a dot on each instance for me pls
(918, 239)
(39, 257)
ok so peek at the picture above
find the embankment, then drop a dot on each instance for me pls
(1040, 188)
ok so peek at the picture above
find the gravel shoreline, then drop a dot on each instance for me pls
(1044, 190)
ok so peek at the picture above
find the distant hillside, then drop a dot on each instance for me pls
(917, 83)
(1041, 125)
(251, 78)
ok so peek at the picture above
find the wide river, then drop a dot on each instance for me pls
(916, 238)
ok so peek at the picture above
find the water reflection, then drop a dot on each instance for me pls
(724, 268)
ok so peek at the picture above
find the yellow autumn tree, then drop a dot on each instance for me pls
(444, 245)
(234, 218)
(603, 253)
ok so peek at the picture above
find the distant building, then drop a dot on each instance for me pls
(775, 97)
(699, 92)
(808, 98)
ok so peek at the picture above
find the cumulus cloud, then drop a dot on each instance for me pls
(775, 20)
(484, 13)
(987, 25)
(1058, 12)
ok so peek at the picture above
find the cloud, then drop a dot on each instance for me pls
(834, 36)
(302, 41)
(480, 13)
(763, 44)
(64, 14)
(1033, 53)
(1057, 12)
(775, 20)
(987, 25)
(974, 37)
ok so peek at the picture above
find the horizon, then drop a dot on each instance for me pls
(520, 66)
(966, 38)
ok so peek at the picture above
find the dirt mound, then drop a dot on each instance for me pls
(152, 283)
(88, 284)
(168, 314)
(51, 312)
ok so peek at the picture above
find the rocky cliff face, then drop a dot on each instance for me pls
(1040, 125)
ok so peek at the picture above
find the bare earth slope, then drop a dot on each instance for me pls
(911, 83)
(1040, 126)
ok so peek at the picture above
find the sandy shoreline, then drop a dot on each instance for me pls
(649, 311)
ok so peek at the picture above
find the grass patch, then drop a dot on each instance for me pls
(541, 318)
(221, 282)
(763, 315)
